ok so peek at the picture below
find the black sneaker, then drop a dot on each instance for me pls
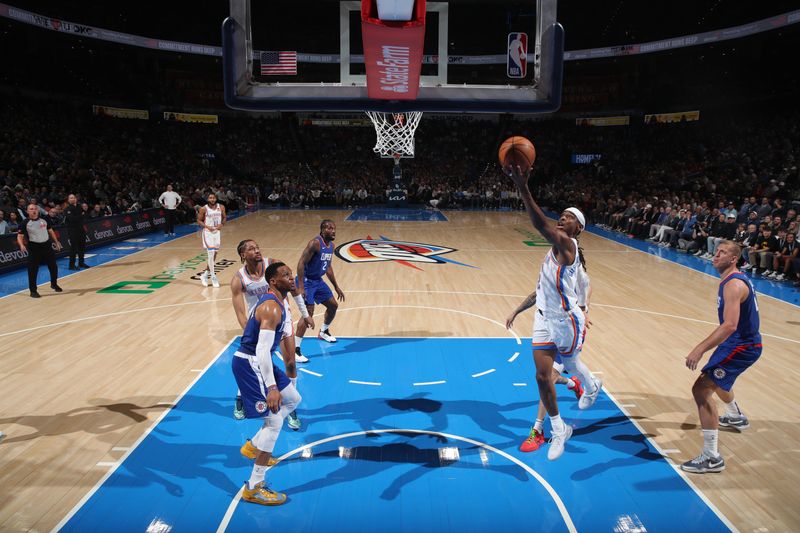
(84, 265)
(56, 288)
(72, 267)
(35, 294)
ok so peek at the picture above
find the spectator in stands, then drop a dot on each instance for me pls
(764, 209)
(761, 254)
(782, 260)
(12, 223)
(3, 224)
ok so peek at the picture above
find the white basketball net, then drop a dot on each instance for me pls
(395, 132)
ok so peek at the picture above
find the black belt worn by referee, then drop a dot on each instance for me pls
(39, 232)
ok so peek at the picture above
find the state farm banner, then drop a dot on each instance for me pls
(623, 120)
(663, 118)
(98, 231)
(191, 117)
(392, 53)
(120, 112)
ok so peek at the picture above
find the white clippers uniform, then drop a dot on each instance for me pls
(213, 218)
(254, 287)
(559, 323)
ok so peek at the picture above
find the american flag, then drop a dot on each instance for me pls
(279, 63)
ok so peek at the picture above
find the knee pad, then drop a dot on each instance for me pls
(266, 437)
(290, 398)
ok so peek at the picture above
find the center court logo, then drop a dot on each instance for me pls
(371, 250)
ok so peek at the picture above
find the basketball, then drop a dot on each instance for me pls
(517, 151)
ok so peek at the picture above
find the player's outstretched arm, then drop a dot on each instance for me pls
(554, 236)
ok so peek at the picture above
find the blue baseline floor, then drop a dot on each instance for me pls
(188, 470)
(398, 214)
(776, 289)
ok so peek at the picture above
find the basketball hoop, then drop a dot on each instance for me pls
(395, 132)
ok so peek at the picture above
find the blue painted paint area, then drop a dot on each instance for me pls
(401, 214)
(188, 469)
(776, 289)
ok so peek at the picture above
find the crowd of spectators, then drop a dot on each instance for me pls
(677, 184)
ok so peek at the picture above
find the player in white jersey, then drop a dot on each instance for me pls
(211, 218)
(559, 323)
(247, 286)
(584, 293)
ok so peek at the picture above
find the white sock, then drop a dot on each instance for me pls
(589, 382)
(538, 425)
(557, 424)
(710, 440)
(238, 393)
(325, 327)
(732, 409)
(570, 384)
(294, 382)
(257, 476)
(211, 254)
(297, 341)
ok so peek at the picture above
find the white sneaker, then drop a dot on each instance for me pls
(746, 266)
(215, 281)
(780, 277)
(204, 279)
(588, 398)
(327, 336)
(300, 358)
(557, 443)
(766, 273)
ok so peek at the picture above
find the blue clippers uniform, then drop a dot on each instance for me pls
(245, 364)
(317, 291)
(743, 347)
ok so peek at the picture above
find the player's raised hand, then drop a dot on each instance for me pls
(517, 175)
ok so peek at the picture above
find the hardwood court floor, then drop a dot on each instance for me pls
(84, 374)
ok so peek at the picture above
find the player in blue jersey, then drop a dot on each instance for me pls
(738, 346)
(315, 263)
(267, 392)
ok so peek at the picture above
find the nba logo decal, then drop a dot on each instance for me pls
(517, 59)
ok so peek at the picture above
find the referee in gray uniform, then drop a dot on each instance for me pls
(38, 233)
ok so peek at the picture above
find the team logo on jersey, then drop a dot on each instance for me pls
(371, 250)
(719, 373)
(261, 406)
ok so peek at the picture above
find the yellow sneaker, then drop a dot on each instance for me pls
(250, 451)
(263, 495)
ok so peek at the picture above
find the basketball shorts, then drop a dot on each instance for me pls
(729, 360)
(211, 240)
(317, 291)
(563, 333)
(251, 385)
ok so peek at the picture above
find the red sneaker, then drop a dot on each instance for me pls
(533, 442)
(578, 390)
